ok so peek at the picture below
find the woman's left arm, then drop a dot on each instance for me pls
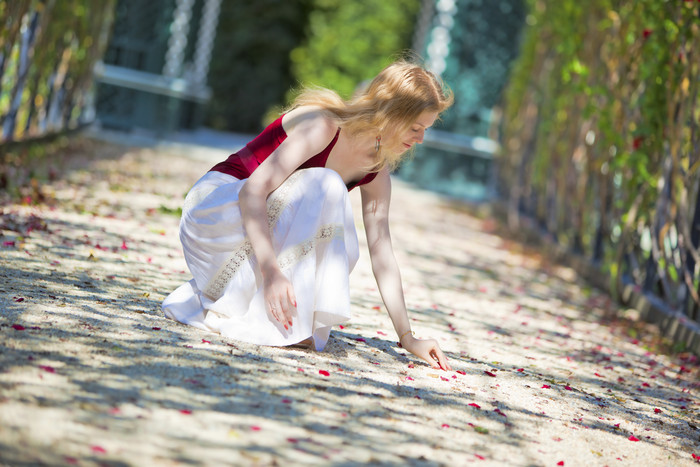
(376, 197)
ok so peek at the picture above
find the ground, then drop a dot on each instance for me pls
(547, 370)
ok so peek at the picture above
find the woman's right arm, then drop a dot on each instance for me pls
(308, 133)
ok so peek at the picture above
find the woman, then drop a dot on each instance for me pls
(269, 234)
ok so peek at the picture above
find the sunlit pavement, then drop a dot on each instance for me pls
(546, 370)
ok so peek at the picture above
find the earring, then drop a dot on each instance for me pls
(378, 143)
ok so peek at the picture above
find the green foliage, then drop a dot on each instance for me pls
(600, 133)
(250, 69)
(349, 42)
(47, 54)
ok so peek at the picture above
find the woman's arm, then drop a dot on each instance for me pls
(375, 214)
(308, 134)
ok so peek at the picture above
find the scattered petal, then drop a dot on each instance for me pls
(475, 405)
(461, 372)
(286, 401)
(657, 410)
(155, 328)
(633, 438)
(568, 388)
(560, 463)
(204, 341)
(545, 386)
(490, 374)
(323, 373)
(98, 449)
(186, 411)
(48, 369)
(255, 428)
(481, 458)
(18, 299)
(18, 327)
(445, 425)
(124, 247)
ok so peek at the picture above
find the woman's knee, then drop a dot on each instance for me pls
(328, 180)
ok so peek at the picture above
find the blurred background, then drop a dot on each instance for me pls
(575, 122)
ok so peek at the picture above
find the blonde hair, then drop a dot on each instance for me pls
(385, 107)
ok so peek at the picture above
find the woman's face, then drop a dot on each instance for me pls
(415, 133)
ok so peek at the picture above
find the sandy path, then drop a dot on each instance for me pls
(92, 374)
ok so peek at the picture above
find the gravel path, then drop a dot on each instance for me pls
(547, 371)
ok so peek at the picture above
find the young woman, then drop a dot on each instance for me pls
(269, 233)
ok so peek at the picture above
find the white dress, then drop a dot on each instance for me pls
(313, 235)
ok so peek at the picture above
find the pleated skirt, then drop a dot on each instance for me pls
(313, 235)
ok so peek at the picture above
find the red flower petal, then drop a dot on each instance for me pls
(204, 341)
(481, 458)
(48, 369)
(98, 449)
(475, 405)
(696, 457)
(461, 372)
(633, 438)
(545, 386)
(560, 463)
(156, 329)
(568, 388)
(323, 372)
(359, 339)
(490, 374)
(18, 299)
(445, 425)
(186, 412)
(520, 370)
(124, 247)
(657, 410)
(286, 401)
(18, 327)
(255, 428)
(381, 333)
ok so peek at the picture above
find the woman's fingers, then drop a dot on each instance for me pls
(440, 358)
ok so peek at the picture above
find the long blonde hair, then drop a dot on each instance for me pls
(386, 107)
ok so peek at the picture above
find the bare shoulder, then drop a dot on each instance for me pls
(312, 122)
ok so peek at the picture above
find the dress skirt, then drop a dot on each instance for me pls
(313, 235)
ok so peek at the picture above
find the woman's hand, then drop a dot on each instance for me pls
(427, 349)
(279, 298)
